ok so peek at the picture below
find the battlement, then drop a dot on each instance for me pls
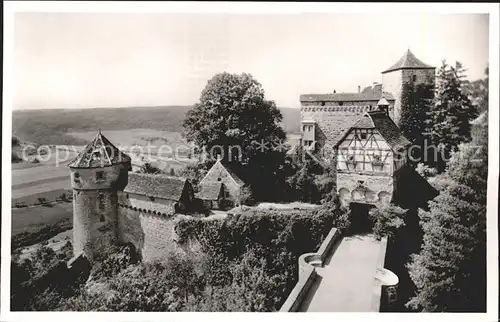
(349, 108)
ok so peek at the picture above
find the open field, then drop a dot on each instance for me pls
(51, 126)
(21, 177)
(31, 219)
(50, 196)
(36, 224)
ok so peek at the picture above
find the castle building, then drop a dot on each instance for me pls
(111, 204)
(359, 132)
(370, 156)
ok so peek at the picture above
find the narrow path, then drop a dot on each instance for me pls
(345, 283)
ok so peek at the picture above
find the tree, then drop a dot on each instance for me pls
(448, 120)
(478, 91)
(450, 270)
(234, 118)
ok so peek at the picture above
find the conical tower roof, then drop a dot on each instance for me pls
(100, 152)
(408, 61)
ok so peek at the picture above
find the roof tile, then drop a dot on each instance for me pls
(100, 152)
(154, 185)
(408, 61)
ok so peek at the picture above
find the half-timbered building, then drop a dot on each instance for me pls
(369, 157)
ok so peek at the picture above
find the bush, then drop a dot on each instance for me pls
(387, 220)
(113, 260)
(16, 158)
(426, 171)
(15, 141)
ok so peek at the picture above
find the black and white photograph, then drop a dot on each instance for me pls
(249, 157)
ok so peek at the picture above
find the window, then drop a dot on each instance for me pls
(102, 218)
(414, 78)
(363, 136)
(76, 177)
(341, 103)
(304, 128)
(152, 198)
(99, 175)
(322, 103)
(101, 201)
(310, 128)
(219, 179)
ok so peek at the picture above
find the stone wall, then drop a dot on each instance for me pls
(328, 122)
(152, 235)
(379, 188)
(94, 220)
(392, 82)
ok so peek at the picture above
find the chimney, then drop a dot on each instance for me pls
(375, 84)
(359, 89)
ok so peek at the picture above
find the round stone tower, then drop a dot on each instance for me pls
(407, 69)
(97, 174)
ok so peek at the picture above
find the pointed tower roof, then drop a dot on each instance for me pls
(408, 61)
(100, 152)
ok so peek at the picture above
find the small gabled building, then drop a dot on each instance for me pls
(369, 158)
(221, 174)
(213, 195)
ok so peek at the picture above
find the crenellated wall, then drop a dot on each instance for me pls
(148, 225)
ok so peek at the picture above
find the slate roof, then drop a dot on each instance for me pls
(209, 191)
(341, 124)
(385, 126)
(154, 185)
(408, 61)
(234, 176)
(370, 93)
(100, 152)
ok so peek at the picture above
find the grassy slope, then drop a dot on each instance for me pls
(51, 126)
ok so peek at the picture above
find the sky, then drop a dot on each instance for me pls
(81, 60)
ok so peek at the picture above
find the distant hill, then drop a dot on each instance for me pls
(51, 125)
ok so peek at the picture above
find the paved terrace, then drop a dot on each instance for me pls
(346, 280)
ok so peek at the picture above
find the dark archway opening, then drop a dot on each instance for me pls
(360, 218)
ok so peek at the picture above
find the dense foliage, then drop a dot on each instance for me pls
(244, 262)
(450, 270)
(448, 121)
(416, 102)
(39, 283)
(305, 179)
(387, 220)
(234, 119)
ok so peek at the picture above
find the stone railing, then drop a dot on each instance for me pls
(307, 271)
(377, 285)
